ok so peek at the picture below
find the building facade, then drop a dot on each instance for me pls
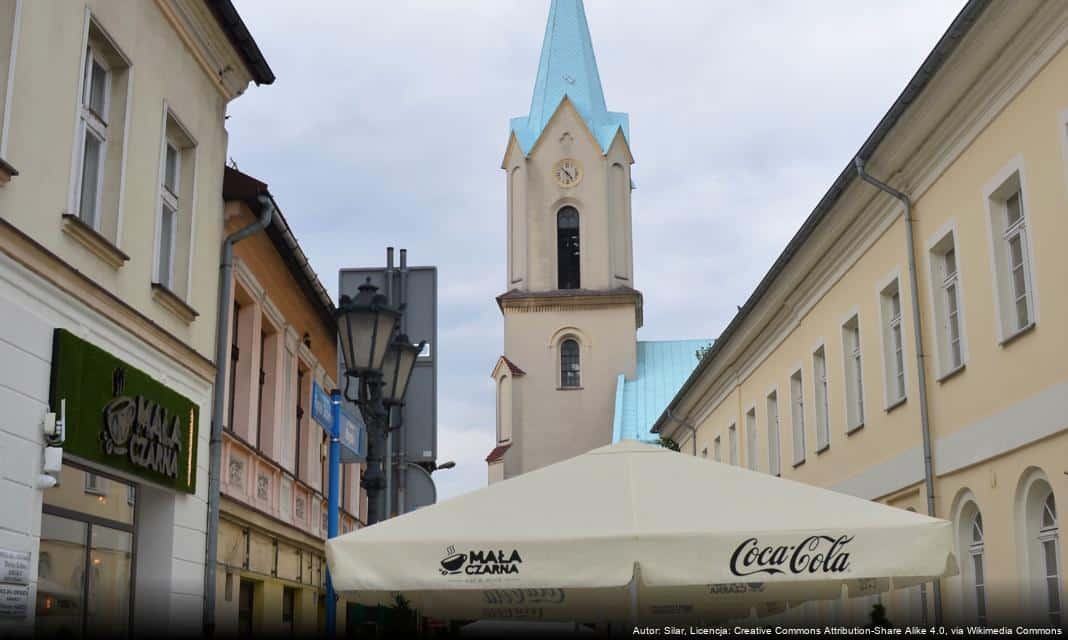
(283, 341)
(879, 322)
(112, 142)
(571, 359)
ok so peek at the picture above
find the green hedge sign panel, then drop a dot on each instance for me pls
(119, 416)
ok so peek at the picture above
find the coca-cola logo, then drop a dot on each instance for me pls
(814, 554)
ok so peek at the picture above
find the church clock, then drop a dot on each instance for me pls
(567, 172)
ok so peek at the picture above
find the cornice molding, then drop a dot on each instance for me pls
(201, 33)
(170, 301)
(92, 240)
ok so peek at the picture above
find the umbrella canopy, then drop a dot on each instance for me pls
(641, 529)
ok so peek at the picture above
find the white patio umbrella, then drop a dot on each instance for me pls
(635, 531)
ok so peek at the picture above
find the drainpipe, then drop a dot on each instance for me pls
(693, 430)
(921, 375)
(226, 267)
(402, 455)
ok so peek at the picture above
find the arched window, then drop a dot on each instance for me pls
(970, 550)
(1048, 542)
(567, 249)
(569, 364)
(975, 550)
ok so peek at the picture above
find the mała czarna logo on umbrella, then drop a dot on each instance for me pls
(814, 554)
(478, 563)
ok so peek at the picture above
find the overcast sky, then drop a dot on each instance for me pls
(388, 122)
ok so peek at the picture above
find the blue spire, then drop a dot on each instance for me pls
(568, 67)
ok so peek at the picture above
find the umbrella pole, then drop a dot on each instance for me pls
(633, 596)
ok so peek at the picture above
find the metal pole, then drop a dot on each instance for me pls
(402, 460)
(387, 462)
(333, 498)
(921, 369)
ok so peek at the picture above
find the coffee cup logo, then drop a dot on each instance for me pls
(480, 562)
(814, 554)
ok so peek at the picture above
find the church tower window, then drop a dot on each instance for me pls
(567, 249)
(569, 364)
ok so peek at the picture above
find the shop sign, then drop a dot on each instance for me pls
(14, 602)
(321, 409)
(118, 416)
(14, 567)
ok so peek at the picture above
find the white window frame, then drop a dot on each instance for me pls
(91, 123)
(821, 395)
(1049, 534)
(1008, 182)
(895, 380)
(732, 437)
(853, 369)
(774, 432)
(95, 484)
(977, 559)
(797, 414)
(168, 199)
(751, 438)
(946, 292)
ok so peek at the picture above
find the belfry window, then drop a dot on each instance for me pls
(569, 364)
(567, 249)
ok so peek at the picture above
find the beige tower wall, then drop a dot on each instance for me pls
(602, 198)
(554, 424)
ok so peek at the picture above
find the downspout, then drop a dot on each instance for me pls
(921, 374)
(693, 430)
(226, 268)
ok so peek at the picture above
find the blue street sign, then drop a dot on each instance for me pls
(353, 438)
(321, 407)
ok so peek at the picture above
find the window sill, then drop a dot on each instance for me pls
(569, 388)
(171, 302)
(91, 239)
(896, 403)
(798, 463)
(952, 373)
(7, 172)
(825, 447)
(1012, 338)
(855, 428)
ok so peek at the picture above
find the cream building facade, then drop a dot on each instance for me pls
(112, 145)
(821, 377)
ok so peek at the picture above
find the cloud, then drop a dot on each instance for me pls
(388, 122)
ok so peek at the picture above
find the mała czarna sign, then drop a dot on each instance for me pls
(119, 416)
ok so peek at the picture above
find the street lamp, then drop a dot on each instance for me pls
(397, 369)
(365, 326)
(444, 465)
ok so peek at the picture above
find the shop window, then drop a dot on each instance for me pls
(289, 598)
(978, 576)
(8, 28)
(245, 603)
(568, 249)
(1048, 541)
(971, 549)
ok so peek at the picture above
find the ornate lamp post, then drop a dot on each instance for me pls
(380, 364)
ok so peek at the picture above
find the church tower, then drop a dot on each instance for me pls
(571, 312)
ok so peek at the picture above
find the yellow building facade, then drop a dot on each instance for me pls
(817, 378)
(271, 569)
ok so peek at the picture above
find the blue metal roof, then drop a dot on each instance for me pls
(662, 368)
(568, 68)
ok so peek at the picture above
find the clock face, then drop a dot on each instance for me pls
(567, 172)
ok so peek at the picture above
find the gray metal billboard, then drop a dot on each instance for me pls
(418, 439)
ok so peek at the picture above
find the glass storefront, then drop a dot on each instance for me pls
(86, 560)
